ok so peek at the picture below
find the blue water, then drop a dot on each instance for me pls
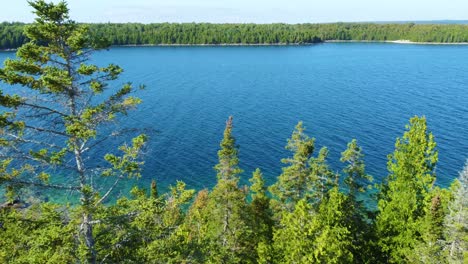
(341, 91)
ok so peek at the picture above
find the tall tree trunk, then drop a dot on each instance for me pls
(86, 226)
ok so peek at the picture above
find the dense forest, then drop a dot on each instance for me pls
(311, 214)
(204, 33)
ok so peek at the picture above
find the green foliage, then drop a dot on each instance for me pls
(306, 236)
(195, 229)
(306, 176)
(430, 248)
(222, 227)
(228, 233)
(456, 221)
(128, 164)
(66, 124)
(205, 33)
(319, 219)
(261, 214)
(357, 181)
(38, 234)
(294, 241)
(407, 191)
(227, 168)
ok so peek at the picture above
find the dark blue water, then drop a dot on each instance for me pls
(341, 91)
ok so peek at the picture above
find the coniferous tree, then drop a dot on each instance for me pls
(60, 123)
(309, 236)
(227, 224)
(143, 228)
(262, 221)
(456, 222)
(293, 241)
(406, 193)
(167, 245)
(294, 183)
(356, 178)
(195, 229)
(323, 178)
(357, 182)
(429, 249)
(39, 234)
(334, 241)
(306, 176)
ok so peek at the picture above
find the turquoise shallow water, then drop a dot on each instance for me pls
(341, 91)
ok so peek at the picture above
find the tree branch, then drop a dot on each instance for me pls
(40, 129)
(44, 108)
(109, 191)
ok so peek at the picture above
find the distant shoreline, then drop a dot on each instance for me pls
(282, 44)
(401, 41)
(294, 44)
(215, 45)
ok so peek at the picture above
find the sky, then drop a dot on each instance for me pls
(248, 11)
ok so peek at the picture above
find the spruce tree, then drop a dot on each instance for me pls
(357, 181)
(294, 183)
(305, 176)
(167, 233)
(356, 178)
(227, 224)
(63, 115)
(406, 192)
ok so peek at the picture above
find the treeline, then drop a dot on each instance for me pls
(67, 110)
(310, 215)
(205, 33)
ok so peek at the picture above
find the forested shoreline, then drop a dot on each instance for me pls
(12, 35)
(311, 214)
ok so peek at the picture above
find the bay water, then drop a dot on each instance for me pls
(341, 91)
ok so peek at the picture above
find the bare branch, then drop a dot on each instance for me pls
(23, 140)
(109, 190)
(44, 108)
(40, 129)
(131, 214)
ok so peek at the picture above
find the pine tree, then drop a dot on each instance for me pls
(227, 223)
(357, 182)
(407, 192)
(294, 183)
(62, 120)
(306, 176)
(228, 165)
(323, 179)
